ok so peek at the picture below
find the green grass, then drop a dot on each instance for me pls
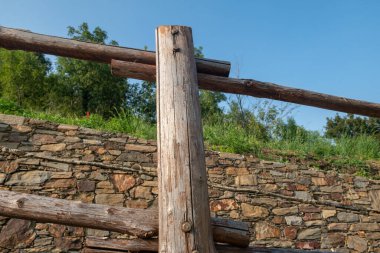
(344, 154)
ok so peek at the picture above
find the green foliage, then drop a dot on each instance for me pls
(23, 77)
(142, 100)
(87, 86)
(350, 126)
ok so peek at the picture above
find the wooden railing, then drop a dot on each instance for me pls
(184, 222)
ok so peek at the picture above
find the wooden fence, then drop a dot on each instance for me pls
(183, 222)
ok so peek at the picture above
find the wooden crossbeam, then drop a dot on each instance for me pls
(99, 245)
(15, 39)
(139, 222)
(255, 88)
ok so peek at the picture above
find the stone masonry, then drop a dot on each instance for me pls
(39, 157)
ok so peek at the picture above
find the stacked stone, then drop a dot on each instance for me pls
(82, 164)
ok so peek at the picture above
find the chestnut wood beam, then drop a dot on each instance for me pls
(15, 39)
(139, 222)
(258, 89)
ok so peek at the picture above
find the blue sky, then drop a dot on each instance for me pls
(329, 46)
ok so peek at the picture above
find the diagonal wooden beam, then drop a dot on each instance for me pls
(255, 88)
(15, 39)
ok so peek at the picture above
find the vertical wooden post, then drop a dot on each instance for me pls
(184, 215)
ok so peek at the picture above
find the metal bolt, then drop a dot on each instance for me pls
(195, 251)
(186, 226)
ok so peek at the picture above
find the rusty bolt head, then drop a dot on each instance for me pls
(186, 226)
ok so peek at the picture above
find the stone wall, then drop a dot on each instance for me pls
(277, 199)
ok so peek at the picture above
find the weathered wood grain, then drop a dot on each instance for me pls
(184, 215)
(74, 213)
(15, 39)
(259, 89)
(139, 222)
(122, 245)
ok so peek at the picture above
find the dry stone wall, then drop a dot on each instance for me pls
(287, 205)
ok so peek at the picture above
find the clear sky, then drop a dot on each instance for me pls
(329, 46)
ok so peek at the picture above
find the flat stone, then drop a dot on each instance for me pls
(265, 230)
(56, 165)
(232, 156)
(320, 181)
(308, 245)
(97, 232)
(119, 139)
(86, 185)
(223, 205)
(59, 175)
(89, 131)
(304, 195)
(246, 180)
(53, 147)
(140, 148)
(328, 213)
(333, 240)
(17, 234)
(290, 233)
(29, 178)
(22, 129)
(137, 203)
(254, 211)
(123, 182)
(309, 234)
(2, 177)
(264, 201)
(331, 189)
(360, 182)
(64, 127)
(11, 119)
(39, 139)
(142, 192)
(357, 243)
(110, 199)
(337, 226)
(61, 183)
(71, 139)
(97, 175)
(27, 161)
(374, 196)
(285, 210)
(11, 145)
(4, 127)
(293, 220)
(312, 223)
(347, 217)
(92, 142)
(365, 227)
(133, 157)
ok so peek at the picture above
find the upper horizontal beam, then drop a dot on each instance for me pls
(15, 39)
(255, 88)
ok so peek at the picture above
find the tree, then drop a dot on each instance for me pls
(87, 86)
(352, 126)
(23, 77)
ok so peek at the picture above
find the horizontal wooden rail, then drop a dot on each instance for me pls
(98, 245)
(256, 89)
(15, 39)
(139, 222)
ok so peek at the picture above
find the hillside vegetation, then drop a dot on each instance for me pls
(66, 90)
